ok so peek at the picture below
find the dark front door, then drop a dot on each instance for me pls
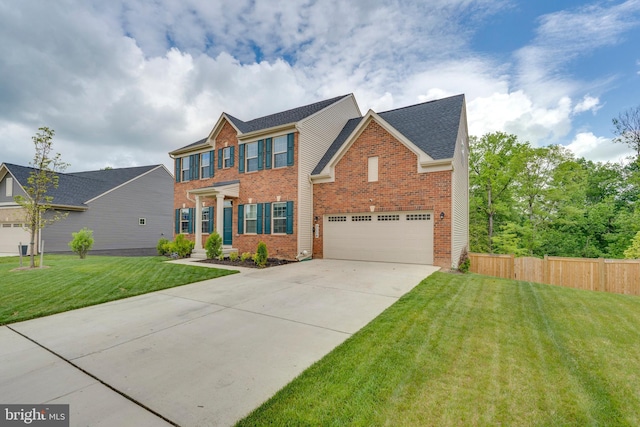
(227, 233)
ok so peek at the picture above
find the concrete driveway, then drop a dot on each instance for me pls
(204, 354)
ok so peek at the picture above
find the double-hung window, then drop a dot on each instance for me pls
(184, 173)
(205, 162)
(226, 154)
(279, 218)
(252, 156)
(205, 220)
(184, 220)
(280, 151)
(251, 218)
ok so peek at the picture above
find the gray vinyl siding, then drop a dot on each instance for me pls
(3, 190)
(317, 132)
(114, 216)
(460, 193)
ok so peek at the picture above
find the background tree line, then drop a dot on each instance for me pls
(533, 201)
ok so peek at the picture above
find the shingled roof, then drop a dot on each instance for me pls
(432, 126)
(76, 189)
(273, 120)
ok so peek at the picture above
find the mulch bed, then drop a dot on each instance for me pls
(271, 262)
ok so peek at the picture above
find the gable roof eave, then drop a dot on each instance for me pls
(129, 181)
(327, 171)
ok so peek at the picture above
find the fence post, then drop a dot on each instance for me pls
(603, 275)
(545, 270)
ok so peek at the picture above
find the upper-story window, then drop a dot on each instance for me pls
(280, 151)
(205, 164)
(184, 173)
(252, 156)
(226, 155)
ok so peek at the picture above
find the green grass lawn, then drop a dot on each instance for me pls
(477, 350)
(71, 282)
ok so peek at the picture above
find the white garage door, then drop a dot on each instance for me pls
(10, 235)
(386, 236)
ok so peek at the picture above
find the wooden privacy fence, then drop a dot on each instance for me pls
(621, 276)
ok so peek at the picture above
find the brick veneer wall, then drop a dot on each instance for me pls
(399, 188)
(261, 186)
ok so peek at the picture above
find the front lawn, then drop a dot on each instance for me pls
(71, 282)
(477, 350)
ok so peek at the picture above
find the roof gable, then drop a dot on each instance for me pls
(76, 189)
(430, 128)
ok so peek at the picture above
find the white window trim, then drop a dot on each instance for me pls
(183, 169)
(203, 166)
(226, 157)
(273, 218)
(246, 218)
(274, 152)
(246, 157)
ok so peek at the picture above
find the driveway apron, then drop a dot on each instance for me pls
(204, 354)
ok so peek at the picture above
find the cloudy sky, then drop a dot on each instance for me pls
(123, 82)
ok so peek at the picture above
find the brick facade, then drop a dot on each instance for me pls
(264, 186)
(399, 187)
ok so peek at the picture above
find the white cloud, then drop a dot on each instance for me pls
(598, 149)
(588, 103)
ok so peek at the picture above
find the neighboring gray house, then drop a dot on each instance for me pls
(128, 209)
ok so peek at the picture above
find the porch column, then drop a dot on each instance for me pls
(198, 223)
(220, 214)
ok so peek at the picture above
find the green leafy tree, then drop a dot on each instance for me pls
(82, 242)
(42, 178)
(495, 161)
(633, 251)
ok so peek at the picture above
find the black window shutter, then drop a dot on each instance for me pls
(268, 151)
(220, 160)
(177, 221)
(178, 163)
(290, 141)
(240, 219)
(231, 154)
(241, 158)
(210, 219)
(260, 154)
(191, 219)
(289, 217)
(267, 218)
(212, 170)
(259, 218)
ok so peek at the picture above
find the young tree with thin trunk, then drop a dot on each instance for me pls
(42, 178)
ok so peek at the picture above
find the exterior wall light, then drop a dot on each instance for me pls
(441, 216)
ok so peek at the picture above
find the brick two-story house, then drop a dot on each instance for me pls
(322, 180)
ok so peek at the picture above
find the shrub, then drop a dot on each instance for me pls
(260, 258)
(233, 256)
(213, 245)
(245, 256)
(464, 262)
(220, 257)
(163, 246)
(82, 242)
(181, 246)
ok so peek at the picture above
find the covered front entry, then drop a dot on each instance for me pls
(405, 237)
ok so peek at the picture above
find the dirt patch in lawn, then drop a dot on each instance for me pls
(271, 262)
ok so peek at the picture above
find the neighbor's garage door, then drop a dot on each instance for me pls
(389, 237)
(10, 235)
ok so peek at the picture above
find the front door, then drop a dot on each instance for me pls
(227, 232)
